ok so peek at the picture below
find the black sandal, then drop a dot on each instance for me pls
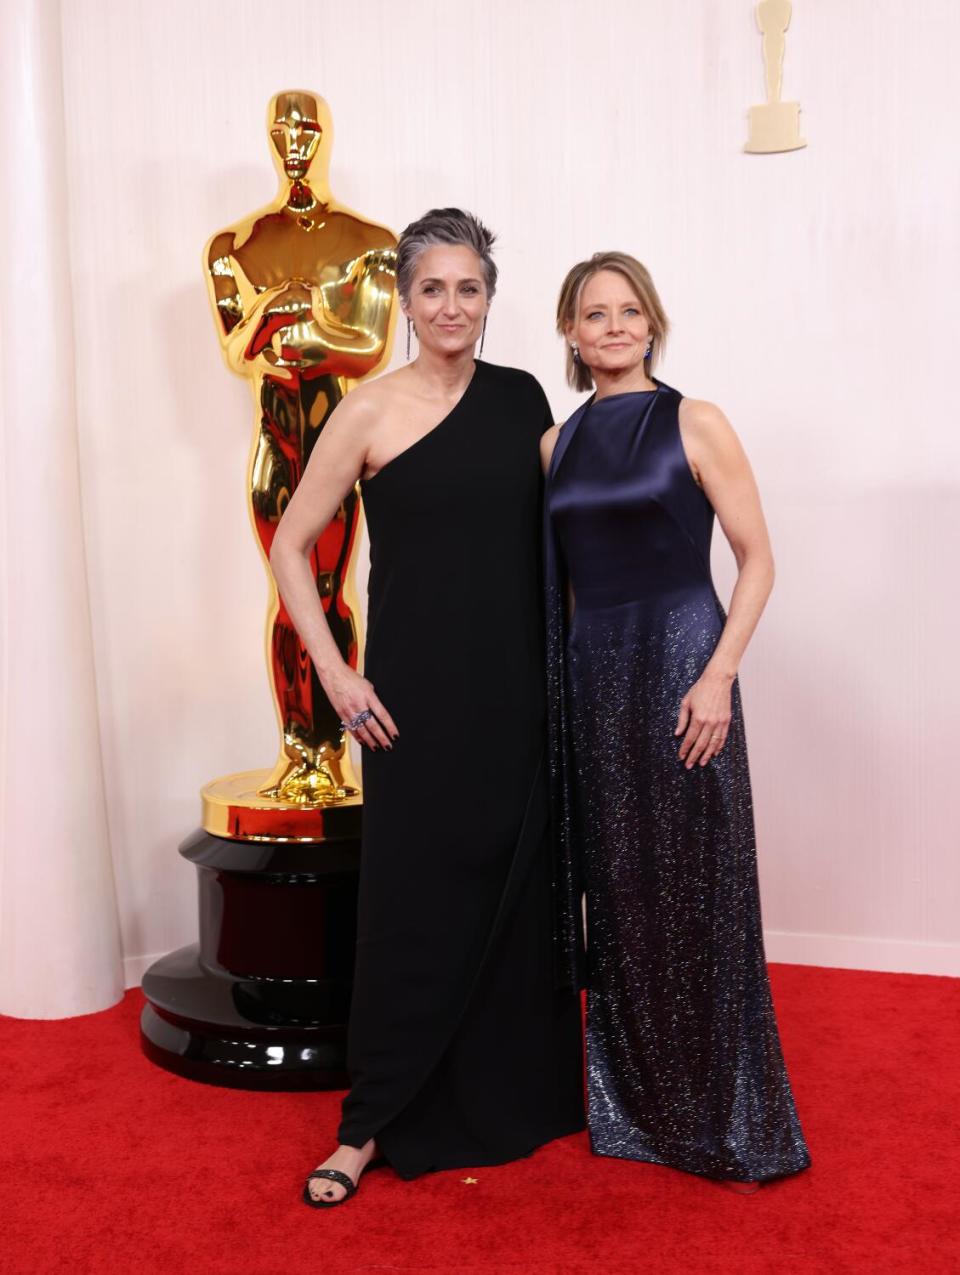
(334, 1175)
(342, 1179)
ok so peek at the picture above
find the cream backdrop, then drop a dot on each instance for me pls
(812, 295)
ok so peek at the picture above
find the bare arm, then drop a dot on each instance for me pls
(548, 441)
(720, 465)
(337, 461)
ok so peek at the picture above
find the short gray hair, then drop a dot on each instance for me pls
(444, 226)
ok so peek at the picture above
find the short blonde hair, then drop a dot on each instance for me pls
(638, 276)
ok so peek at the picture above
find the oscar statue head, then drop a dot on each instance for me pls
(301, 132)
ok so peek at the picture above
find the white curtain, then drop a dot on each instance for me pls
(811, 295)
(59, 934)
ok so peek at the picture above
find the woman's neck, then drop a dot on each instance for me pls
(445, 374)
(629, 381)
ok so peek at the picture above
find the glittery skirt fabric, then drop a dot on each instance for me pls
(684, 1065)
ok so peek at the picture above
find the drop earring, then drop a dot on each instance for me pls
(483, 336)
(648, 352)
(409, 326)
(576, 351)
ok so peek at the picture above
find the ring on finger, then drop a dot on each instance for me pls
(356, 722)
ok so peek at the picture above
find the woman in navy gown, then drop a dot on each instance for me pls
(651, 783)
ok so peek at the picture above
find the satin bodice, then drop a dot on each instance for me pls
(631, 521)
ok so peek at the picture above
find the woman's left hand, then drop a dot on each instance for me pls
(704, 719)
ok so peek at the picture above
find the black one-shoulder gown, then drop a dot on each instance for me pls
(462, 1050)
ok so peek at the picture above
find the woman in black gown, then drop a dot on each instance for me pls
(461, 1050)
(652, 788)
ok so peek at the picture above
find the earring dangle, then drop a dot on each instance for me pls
(409, 326)
(648, 351)
(576, 351)
(483, 336)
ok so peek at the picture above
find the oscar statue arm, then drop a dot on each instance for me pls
(243, 313)
(362, 296)
(347, 315)
(351, 311)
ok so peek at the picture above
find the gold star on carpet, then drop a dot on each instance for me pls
(469, 1181)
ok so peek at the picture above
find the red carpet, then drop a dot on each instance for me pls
(109, 1164)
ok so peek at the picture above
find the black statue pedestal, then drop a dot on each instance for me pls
(261, 1002)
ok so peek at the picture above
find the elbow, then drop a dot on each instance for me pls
(765, 572)
(284, 553)
(279, 551)
(758, 565)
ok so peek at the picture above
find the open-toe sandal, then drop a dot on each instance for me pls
(333, 1175)
(342, 1179)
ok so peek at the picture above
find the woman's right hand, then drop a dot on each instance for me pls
(350, 694)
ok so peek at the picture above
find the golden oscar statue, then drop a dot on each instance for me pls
(302, 293)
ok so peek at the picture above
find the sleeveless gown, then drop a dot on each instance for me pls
(462, 1050)
(684, 1065)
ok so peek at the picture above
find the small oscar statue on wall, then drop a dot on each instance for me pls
(775, 125)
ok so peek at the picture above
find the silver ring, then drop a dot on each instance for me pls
(355, 722)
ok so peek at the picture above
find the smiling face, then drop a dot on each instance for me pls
(610, 327)
(448, 299)
(300, 130)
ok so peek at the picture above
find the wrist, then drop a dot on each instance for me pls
(330, 669)
(723, 673)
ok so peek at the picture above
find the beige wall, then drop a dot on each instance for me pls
(813, 296)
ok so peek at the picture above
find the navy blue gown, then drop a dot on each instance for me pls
(684, 1065)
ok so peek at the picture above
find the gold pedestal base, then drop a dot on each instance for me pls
(235, 807)
(774, 127)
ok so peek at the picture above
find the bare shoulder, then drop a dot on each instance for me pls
(369, 403)
(548, 441)
(357, 411)
(705, 428)
(696, 414)
(389, 385)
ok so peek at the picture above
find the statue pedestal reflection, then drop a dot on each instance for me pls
(261, 1002)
